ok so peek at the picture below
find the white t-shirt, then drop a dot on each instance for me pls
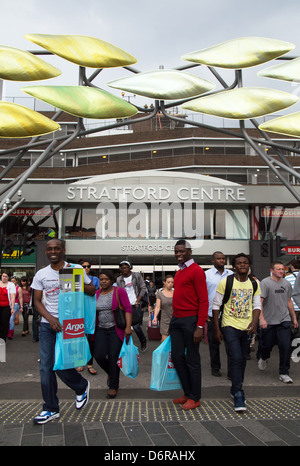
(11, 289)
(47, 280)
(130, 290)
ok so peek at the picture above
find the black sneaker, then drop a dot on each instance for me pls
(144, 346)
(239, 401)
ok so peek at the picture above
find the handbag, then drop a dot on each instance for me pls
(119, 314)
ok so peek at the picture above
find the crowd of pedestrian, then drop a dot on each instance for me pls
(227, 305)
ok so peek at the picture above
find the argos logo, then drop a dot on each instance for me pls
(170, 362)
(73, 328)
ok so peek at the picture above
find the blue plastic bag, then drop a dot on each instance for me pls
(89, 314)
(71, 346)
(12, 322)
(128, 360)
(163, 373)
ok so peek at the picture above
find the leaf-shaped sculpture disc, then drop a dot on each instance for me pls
(18, 65)
(288, 125)
(240, 53)
(163, 85)
(242, 103)
(85, 102)
(17, 121)
(83, 50)
(288, 71)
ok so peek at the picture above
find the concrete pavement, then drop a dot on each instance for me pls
(142, 417)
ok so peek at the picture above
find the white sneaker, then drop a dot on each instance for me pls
(285, 378)
(262, 364)
(81, 400)
(45, 416)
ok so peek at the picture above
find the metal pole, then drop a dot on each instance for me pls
(266, 160)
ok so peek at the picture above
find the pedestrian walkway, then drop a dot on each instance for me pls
(140, 417)
(268, 422)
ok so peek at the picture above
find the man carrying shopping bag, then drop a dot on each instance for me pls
(46, 298)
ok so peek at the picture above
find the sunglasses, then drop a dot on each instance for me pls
(86, 266)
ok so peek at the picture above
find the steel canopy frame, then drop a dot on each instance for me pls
(55, 145)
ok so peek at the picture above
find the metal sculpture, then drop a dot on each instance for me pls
(181, 88)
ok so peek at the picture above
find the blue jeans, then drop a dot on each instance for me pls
(185, 355)
(237, 346)
(281, 335)
(70, 377)
(107, 347)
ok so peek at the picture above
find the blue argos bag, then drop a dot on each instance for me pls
(163, 373)
(89, 314)
(128, 360)
(71, 346)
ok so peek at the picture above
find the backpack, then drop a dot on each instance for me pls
(228, 288)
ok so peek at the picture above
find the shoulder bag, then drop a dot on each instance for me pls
(119, 314)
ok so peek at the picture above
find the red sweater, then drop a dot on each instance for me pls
(190, 293)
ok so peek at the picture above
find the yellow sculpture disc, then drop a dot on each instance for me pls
(240, 53)
(242, 103)
(17, 121)
(85, 102)
(83, 50)
(288, 125)
(18, 65)
(287, 71)
(164, 85)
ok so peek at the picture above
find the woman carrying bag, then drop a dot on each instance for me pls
(108, 336)
(26, 294)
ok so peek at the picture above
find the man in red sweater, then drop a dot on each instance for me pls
(190, 309)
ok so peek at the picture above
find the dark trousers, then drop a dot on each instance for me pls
(214, 347)
(25, 314)
(137, 328)
(281, 335)
(107, 347)
(185, 355)
(91, 340)
(237, 346)
(5, 313)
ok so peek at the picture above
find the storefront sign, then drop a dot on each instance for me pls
(294, 250)
(280, 212)
(17, 257)
(155, 193)
(31, 211)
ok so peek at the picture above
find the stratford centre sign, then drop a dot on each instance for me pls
(154, 186)
(150, 193)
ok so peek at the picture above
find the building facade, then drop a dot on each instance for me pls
(132, 195)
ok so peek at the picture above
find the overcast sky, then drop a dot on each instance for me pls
(156, 32)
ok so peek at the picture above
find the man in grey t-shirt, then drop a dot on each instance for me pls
(277, 313)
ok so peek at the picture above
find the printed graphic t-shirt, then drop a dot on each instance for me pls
(47, 280)
(237, 311)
